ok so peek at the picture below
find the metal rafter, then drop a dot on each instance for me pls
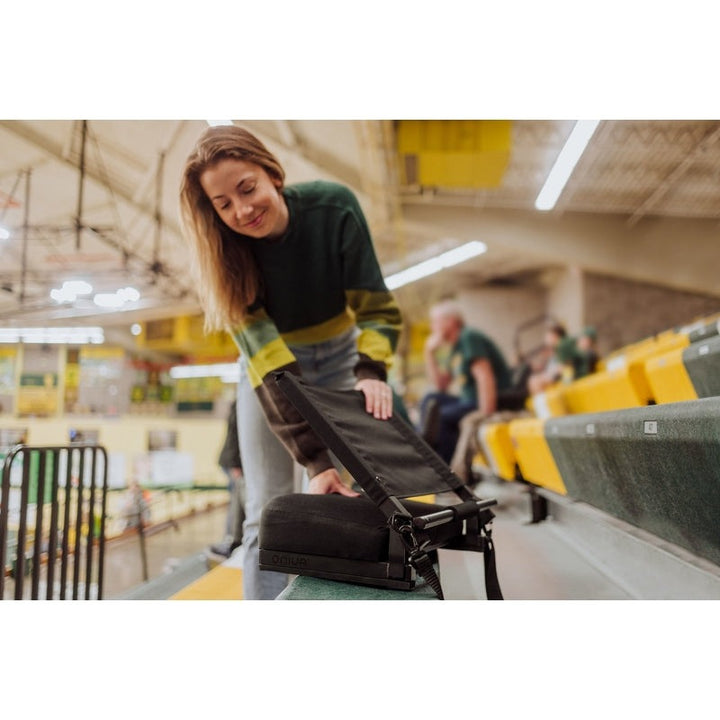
(158, 270)
(26, 236)
(292, 142)
(10, 195)
(680, 169)
(54, 150)
(151, 172)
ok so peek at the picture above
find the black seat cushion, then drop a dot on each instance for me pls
(338, 526)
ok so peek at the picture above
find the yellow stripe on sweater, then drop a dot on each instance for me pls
(375, 345)
(272, 356)
(323, 331)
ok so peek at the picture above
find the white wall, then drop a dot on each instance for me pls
(566, 298)
(497, 311)
(676, 252)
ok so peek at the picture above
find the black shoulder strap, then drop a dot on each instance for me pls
(492, 584)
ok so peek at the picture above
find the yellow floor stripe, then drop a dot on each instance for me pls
(221, 583)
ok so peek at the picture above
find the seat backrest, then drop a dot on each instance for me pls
(387, 458)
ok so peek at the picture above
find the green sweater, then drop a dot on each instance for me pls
(318, 281)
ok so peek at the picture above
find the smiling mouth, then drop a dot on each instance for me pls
(254, 223)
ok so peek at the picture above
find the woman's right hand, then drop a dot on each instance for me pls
(328, 482)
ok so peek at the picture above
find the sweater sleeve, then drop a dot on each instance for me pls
(377, 314)
(266, 352)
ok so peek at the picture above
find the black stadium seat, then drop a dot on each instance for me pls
(708, 330)
(655, 467)
(702, 363)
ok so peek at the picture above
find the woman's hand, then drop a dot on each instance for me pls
(328, 482)
(378, 397)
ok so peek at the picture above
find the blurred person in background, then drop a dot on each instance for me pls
(231, 464)
(474, 378)
(549, 367)
(586, 356)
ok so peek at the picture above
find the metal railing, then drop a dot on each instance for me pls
(70, 484)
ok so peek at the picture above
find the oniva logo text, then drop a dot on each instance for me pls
(288, 560)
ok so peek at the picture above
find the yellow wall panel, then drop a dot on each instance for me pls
(456, 153)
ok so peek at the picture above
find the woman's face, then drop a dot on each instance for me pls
(246, 198)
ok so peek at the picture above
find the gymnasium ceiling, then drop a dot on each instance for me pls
(128, 232)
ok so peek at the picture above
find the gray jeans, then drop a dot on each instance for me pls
(268, 468)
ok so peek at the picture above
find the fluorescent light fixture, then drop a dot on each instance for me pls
(433, 265)
(62, 296)
(229, 372)
(116, 299)
(215, 123)
(43, 336)
(564, 165)
(108, 300)
(4, 233)
(70, 290)
(128, 294)
(79, 287)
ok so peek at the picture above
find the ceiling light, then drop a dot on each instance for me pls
(429, 267)
(566, 161)
(70, 290)
(62, 296)
(78, 287)
(116, 299)
(229, 372)
(108, 300)
(128, 294)
(215, 123)
(4, 233)
(43, 336)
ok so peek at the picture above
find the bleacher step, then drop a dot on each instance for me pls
(644, 565)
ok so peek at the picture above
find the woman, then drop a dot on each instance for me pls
(292, 274)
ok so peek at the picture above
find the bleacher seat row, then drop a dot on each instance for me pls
(640, 439)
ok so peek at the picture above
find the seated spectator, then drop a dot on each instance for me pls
(550, 368)
(586, 356)
(577, 356)
(473, 378)
(231, 465)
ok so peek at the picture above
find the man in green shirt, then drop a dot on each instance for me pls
(473, 378)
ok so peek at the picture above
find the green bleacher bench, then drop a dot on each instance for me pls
(312, 588)
(655, 467)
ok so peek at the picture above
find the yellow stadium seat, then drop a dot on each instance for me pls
(624, 382)
(668, 378)
(551, 402)
(533, 454)
(498, 449)
(622, 387)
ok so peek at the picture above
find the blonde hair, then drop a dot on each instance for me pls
(227, 277)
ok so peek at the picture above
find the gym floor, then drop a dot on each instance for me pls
(166, 550)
